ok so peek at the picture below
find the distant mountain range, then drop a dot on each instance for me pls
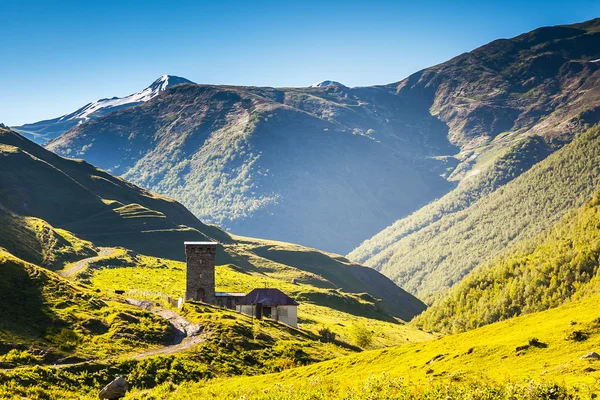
(329, 166)
(43, 131)
(326, 167)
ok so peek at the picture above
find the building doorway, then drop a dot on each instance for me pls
(267, 312)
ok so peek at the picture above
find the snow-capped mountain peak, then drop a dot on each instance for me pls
(103, 106)
(44, 131)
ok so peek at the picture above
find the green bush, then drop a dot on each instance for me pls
(326, 334)
(361, 335)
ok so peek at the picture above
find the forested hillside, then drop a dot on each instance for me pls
(559, 265)
(438, 256)
(517, 159)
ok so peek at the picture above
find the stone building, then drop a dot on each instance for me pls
(200, 278)
(270, 303)
(200, 266)
(228, 299)
(259, 303)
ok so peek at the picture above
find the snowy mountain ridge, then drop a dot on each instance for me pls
(44, 131)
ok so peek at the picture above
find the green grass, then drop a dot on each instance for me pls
(235, 345)
(528, 357)
(36, 241)
(490, 362)
(287, 261)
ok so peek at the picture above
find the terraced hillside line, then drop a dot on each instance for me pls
(81, 264)
(187, 334)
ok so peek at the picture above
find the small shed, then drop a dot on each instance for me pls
(270, 303)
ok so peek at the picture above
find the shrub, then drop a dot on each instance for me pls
(66, 339)
(361, 335)
(19, 357)
(326, 334)
(535, 342)
(577, 336)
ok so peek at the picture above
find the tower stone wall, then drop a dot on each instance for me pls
(200, 278)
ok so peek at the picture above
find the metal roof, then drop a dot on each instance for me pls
(268, 297)
(229, 294)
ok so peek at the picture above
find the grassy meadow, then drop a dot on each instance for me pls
(320, 304)
(533, 356)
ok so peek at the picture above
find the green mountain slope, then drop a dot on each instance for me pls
(440, 254)
(516, 160)
(247, 160)
(559, 265)
(36, 241)
(544, 83)
(74, 196)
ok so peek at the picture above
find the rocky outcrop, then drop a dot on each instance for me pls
(591, 356)
(117, 389)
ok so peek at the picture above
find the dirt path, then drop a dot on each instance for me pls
(81, 264)
(186, 336)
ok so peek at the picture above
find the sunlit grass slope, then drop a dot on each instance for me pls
(229, 344)
(286, 260)
(36, 241)
(545, 347)
(45, 319)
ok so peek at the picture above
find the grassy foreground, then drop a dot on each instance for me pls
(533, 356)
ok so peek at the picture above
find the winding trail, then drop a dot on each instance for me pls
(81, 264)
(187, 334)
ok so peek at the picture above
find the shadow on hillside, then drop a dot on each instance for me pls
(25, 313)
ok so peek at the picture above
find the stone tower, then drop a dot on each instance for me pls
(200, 279)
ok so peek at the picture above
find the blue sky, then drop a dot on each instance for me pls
(59, 55)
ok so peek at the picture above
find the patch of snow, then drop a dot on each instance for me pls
(326, 83)
(595, 61)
